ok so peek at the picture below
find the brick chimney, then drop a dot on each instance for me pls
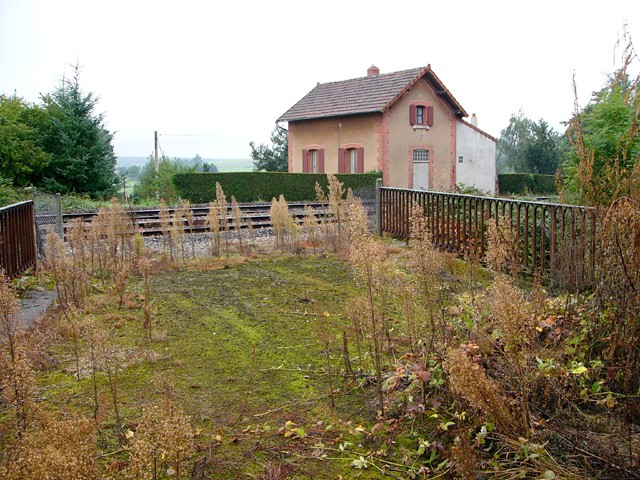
(372, 71)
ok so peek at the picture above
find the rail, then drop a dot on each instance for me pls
(559, 241)
(17, 238)
(147, 221)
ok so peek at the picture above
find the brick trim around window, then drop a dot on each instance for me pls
(343, 160)
(427, 116)
(307, 164)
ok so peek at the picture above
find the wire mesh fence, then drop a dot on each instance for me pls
(48, 209)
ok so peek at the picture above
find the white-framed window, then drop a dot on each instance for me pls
(352, 160)
(419, 115)
(460, 159)
(421, 156)
(313, 161)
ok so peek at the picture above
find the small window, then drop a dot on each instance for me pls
(421, 156)
(460, 159)
(421, 116)
(351, 160)
(313, 160)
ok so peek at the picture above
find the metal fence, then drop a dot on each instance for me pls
(17, 238)
(558, 241)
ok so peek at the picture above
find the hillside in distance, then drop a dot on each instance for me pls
(223, 164)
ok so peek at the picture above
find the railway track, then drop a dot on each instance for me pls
(147, 221)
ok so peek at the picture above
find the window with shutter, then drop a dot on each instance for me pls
(360, 160)
(313, 159)
(420, 115)
(342, 160)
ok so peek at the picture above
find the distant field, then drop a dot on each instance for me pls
(241, 165)
(223, 164)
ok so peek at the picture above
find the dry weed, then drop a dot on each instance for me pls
(17, 384)
(213, 225)
(619, 289)
(237, 223)
(471, 382)
(501, 254)
(163, 440)
(221, 201)
(54, 449)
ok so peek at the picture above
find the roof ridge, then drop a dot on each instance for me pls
(365, 95)
(417, 69)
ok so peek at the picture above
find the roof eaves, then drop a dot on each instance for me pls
(284, 118)
(472, 126)
(461, 112)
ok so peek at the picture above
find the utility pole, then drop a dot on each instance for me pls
(155, 143)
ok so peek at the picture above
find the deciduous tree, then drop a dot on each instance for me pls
(22, 158)
(528, 146)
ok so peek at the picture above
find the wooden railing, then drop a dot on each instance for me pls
(554, 240)
(17, 238)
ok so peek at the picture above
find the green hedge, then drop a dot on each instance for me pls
(263, 186)
(521, 183)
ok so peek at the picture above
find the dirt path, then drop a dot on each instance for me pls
(34, 305)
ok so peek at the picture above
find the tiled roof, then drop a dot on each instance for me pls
(363, 95)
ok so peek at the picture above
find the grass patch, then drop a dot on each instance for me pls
(240, 346)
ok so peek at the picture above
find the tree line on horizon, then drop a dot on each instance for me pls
(61, 144)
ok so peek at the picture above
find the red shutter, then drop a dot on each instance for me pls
(430, 116)
(360, 160)
(412, 114)
(320, 161)
(305, 161)
(341, 161)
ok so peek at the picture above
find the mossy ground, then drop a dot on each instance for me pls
(241, 346)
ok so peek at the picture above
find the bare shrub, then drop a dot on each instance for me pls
(284, 227)
(513, 316)
(501, 251)
(9, 319)
(619, 288)
(464, 455)
(165, 228)
(427, 265)
(221, 201)
(17, 384)
(213, 225)
(237, 223)
(146, 265)
(54, 449)
(163, 440)
(369, 260)
(310, 226)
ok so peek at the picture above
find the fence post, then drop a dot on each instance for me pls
(59, 226)
(378, 207)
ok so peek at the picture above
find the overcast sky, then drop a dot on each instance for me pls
(219, 73)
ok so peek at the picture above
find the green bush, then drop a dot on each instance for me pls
(521, 183)
(8, 194)
(263, 186)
